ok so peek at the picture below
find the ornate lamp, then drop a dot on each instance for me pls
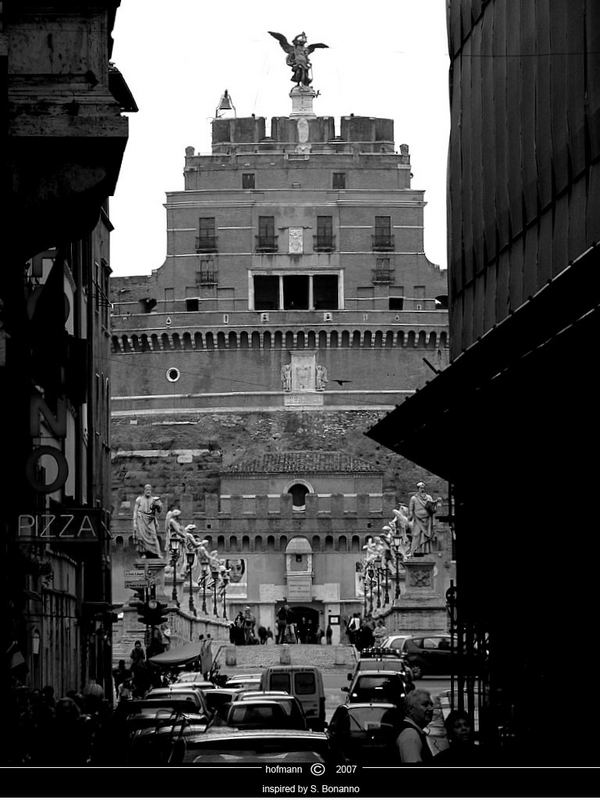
(204, 570)
(191, 557)
(215, 577)
(378, 571)
(397, 540)
(174, 545)
(371, 574)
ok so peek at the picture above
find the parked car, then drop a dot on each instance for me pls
(266, 712)
(170, 693)
(365, 733)
(377, 686)
(303, 682)
(243, 683)
(231, 748)
(216, 699)
(189, 706)
(200, 685)
(429, 655)
(148, 736)
(388, 660)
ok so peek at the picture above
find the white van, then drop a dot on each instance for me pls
(305, 683)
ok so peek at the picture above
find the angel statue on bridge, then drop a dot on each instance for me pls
(297, 56)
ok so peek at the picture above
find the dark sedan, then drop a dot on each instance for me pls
(365, 733)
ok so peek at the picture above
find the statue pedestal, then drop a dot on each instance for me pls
(419, 581)
(302, 101)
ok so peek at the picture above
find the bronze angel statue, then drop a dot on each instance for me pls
(298, 52)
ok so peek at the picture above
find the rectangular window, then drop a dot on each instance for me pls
(323, 241)
(396, 303)
(304, 683)
(419, 292)
(206, 241)
(192, 304)
(266, 239)
(280, 682)
(248, 180)
(295, 292)
(383, 239)
(325, 292)
(266, 292)
(169, 295)
(339, 180)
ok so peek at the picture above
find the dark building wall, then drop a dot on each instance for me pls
(524, 152)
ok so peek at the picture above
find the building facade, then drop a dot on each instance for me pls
(510, 421)
(295, 304)
(65, 136)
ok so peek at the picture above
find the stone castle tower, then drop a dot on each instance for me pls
(294, 308)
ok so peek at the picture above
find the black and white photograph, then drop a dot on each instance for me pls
(298, 322)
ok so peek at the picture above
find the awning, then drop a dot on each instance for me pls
(179, 655)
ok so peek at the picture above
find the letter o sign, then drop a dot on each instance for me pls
(61, 464)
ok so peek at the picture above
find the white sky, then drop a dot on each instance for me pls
(388, 59)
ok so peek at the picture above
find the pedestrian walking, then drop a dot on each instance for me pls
(262, 634)
(328, 634)
(138, 654)
(353, 628)
(282, 621)
(412, 742)
(379, 633)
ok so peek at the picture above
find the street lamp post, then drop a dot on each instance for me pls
(191, 557)
(225, 582)
(174, 543)
(386, 578)
(204, 569)
(397, 542)
(215, 577)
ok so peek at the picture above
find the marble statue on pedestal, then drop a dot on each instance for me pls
(145, 524)
(421, 513)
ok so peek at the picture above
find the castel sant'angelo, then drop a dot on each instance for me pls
(294, 309)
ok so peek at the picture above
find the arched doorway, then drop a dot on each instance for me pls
(307, 623)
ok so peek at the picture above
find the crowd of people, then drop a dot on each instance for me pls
(367, 632)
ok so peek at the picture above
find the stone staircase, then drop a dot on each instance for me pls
(254, 658)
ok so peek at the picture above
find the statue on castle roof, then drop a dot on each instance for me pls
(297, 56)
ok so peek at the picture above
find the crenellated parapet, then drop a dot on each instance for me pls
(427, 336)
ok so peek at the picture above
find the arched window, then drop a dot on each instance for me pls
(328, 544)
(270, 543)
(299, 492)
(245, 544)
(220, 543)
(258, 544)
(316, 543)
(233, 543)
(342, 544)
(356, 544)
(283, 543)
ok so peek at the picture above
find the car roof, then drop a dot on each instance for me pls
(263, 693)
(214, 734)
(368, 705)
(385, 672)
(192, 685)
(245, 675)
(252, 701)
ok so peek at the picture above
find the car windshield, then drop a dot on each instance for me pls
(373, 719)
(258, 716)
(374, 686)
(392, 664)
(190, 677)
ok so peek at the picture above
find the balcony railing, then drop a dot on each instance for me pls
(266, 244)
(382, 242)
(207, 277)
(382, 276)
(206, 244)
(323, 244)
